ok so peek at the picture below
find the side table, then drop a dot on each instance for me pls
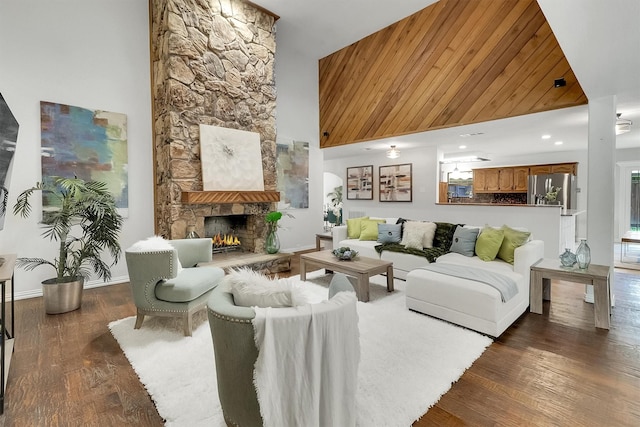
(7, 333)
(596, 275)
(326, 237)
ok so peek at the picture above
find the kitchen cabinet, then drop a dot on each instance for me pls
(520, 179)
(498, 180)
(571, 168)
(479, 181)
(492, 180)
(514, 179)
(505, 179)
(539, 170)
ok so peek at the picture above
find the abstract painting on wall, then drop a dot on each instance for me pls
(8, 139)
(231, 159)
(395, 183)
(292, 167)
(88, 144)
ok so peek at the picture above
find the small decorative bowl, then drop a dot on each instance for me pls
(345, 253)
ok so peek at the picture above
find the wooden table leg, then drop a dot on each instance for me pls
(602, 303)
(317, 243)
(546, 289)
(303, 270)
(363, 287)
(535, 292)
(390, 278)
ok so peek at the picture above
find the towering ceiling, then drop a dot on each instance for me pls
(453, 63)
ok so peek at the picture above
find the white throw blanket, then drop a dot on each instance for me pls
(307, 367)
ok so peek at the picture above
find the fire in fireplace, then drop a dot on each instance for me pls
(225, 241)
(228, 233)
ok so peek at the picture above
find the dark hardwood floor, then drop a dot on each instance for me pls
(553, 369)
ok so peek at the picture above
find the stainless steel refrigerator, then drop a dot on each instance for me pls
(541, 185)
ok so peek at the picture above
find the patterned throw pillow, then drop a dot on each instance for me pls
(464, 240)
(444, 235)
(389, 233)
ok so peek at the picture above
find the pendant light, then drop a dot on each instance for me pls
(393, 153)
(622, 125)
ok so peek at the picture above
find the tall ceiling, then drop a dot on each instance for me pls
(601, 41)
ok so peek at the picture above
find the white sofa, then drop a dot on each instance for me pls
(465, 302)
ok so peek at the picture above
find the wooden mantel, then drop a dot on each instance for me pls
(206, 197)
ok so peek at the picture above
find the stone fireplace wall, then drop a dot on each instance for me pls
(212, 63)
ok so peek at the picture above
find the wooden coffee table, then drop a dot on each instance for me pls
(361, 268)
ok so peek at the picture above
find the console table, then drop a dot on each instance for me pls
(596, 275)
(629, 237)
(7, 265)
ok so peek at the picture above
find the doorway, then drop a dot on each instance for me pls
(627, 250)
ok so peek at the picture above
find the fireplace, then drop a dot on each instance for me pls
(235, 232)
(230, 233)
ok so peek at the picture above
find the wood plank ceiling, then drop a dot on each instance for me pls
(453, 63)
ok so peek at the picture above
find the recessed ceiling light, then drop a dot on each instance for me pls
(546, 136)
(466, 135)
(462, 147)
(558, 143)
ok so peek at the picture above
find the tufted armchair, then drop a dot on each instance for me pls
(236, 353)
(167, 282)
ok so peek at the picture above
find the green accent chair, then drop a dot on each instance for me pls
(161, 287)
(236, 353)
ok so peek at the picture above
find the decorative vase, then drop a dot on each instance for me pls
(272, 243)
(583, 254)
(568, 258)
(191, 232)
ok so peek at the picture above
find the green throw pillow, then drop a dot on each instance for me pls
(353, 227)
(512, 240)
(369, 228)
(488, 243)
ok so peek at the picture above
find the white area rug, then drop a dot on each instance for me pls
(408, 361)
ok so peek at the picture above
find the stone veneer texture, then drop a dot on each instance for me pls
(212, 63)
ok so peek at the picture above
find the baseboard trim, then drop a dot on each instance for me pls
(35, 293)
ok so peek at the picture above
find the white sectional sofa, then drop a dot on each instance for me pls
(465, 302)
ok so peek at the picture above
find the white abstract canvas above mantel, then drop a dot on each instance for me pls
(231, 159)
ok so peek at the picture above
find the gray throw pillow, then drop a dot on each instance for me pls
(389, 233)
(464, 240)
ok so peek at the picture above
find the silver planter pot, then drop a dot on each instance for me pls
(62, 297)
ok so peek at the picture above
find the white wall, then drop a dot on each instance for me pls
(87, 53)
(297, 119)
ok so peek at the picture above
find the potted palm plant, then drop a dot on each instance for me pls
(85, 223)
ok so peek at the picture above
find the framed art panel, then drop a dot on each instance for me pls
(360, 183)
(89, 144)
(395, 183)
